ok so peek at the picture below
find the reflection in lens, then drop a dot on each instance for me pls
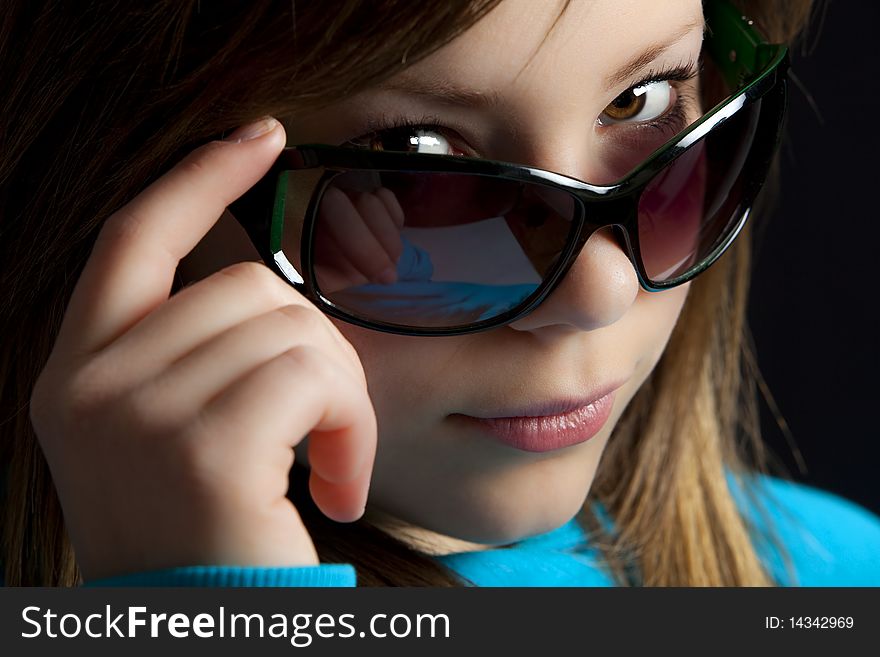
(691, 207)
(435, 249)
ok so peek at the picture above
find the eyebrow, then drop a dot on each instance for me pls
(635, 65)
(447, 92)
(441, 90)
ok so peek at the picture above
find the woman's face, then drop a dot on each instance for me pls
(499, 92)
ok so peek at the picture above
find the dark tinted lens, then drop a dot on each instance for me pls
(435, 249)
(695, 204)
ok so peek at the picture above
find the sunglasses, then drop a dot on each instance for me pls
(429, 244)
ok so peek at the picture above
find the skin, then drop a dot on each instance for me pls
(185, 413)
(436, 484)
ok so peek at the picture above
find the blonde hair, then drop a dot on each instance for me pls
(664, 475)
(147, 84)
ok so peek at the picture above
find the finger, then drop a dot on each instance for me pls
(344, 222)
(215, 365)
(389, 198)
(303, 392)
(333, 269)
(343, 502)
(378, 219)
(201, 312)
(132, 265)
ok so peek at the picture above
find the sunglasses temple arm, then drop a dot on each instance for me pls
(737, 48)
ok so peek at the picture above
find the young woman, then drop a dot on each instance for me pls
(338, 364)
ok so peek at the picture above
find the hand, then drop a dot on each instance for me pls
(169, 424)
(357, 238)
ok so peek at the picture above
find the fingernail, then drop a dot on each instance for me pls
(252, 130)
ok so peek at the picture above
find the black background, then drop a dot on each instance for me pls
(813, 308)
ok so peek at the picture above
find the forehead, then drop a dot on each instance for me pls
(514, 45)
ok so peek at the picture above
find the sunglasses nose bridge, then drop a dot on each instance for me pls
(621, 216)
(592, 217)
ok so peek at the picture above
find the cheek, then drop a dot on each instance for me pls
(405, 375)
(666, 305)
(659, 313)
(414, 381)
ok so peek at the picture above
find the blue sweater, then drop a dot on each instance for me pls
(831, 541)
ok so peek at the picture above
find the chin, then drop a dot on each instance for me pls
(494, 515)
(511, 522)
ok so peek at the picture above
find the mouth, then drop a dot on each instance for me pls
(549, 425)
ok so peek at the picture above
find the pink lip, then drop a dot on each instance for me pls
(548, 426)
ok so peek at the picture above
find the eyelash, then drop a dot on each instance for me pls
(676, 116)
(673, 120)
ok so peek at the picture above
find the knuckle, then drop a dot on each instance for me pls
(305, 319)
(367, 203)
(137, 409)
(193, 167)
(124, 225)
(86, 390)
(248, 269)
(155, 407)
(389, 199)
(333, 194)
(306, 361)
(69, 402)
(259, 279)
(385, 194)
(199, 161)
(310, 321)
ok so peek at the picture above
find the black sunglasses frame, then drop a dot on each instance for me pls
(757, 67)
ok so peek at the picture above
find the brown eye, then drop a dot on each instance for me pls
(639, 104)
(625, 106)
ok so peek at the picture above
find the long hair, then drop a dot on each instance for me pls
(99, 99)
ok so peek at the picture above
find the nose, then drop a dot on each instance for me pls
(597, 290)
